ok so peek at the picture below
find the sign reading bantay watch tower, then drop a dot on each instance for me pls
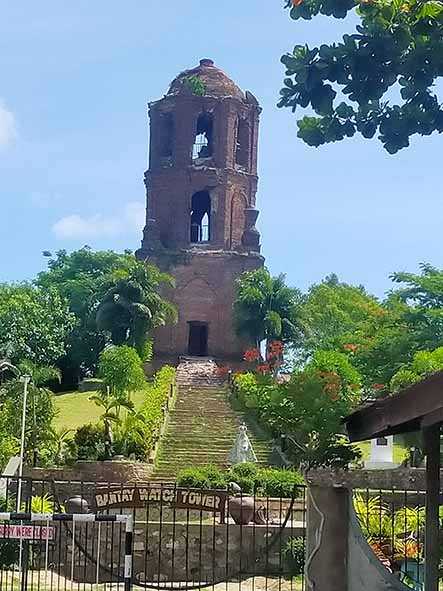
(141, 496)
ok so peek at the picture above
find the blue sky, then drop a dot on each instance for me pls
(75, 78)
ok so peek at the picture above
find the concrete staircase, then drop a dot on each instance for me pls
(203, 425)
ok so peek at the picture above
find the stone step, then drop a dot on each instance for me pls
(203, 425)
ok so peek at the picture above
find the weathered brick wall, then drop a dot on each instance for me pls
(205, 272)
(204, 292)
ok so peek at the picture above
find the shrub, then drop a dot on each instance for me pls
(139, 431)
(252, 479)
(204, 477)
(334, 361)
(195, 85)
(245, 475)
(89, 442)
(246, 387)
(294, 552)
(156, 396)
(280, 483)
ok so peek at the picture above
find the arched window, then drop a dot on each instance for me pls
(242, 147)
(166, 135)
(203, 137)
(201, 217)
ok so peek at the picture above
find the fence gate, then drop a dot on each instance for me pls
(64, 552)
(183, 538)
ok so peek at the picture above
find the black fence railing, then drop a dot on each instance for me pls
(393, 523)
(184, 538)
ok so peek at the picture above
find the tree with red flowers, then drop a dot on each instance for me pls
(308, 409)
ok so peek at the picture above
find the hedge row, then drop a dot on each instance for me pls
(252, 479)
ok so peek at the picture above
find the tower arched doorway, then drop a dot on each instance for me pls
(198, 339)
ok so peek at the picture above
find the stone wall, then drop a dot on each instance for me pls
(88, 471)
(173, 552)
(204, 292)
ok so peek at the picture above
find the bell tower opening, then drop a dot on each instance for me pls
(201, 217)
(198, 339)
(203, 144)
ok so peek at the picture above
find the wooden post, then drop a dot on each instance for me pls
(432, 546)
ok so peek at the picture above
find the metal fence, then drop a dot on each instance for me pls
(183, 538)
(393, 523)
(37, 553)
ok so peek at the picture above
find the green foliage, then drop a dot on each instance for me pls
(89, 443)
(195, 85)
(273, 482)
(337, 363)
(424, 363)
(294, 553)
(252, 479)
(139, 431)
(378, 337)
(124, 290)
(132, 306)
(309, 409)
(400, 531)
(121, 370)
(34, 323)
(82, 278)
(42, 504)
(247, 386)
(423, 297)
(335, 314)
(204, 477)
(40, 414)
(59, 445)
(40, 375)
(395, 42)
(266, 308)
(122, 429)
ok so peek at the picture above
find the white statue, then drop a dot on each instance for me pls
(242, 451)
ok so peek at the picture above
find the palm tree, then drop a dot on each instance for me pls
(133, 306)
(59, 438)
(266, 308)
(40, 375)
(112, 406)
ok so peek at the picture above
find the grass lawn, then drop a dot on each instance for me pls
(75, 409)
(399, 451)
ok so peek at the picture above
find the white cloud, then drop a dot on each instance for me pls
(8, 130)
(75, 226)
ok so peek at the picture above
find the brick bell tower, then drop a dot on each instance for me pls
(201, 189)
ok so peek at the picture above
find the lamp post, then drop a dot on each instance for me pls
(25, 380)
(7, 366)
